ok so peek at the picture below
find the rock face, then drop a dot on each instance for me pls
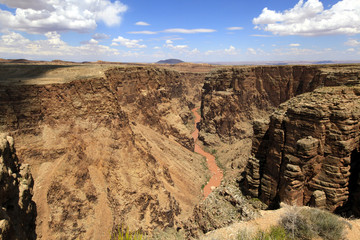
(107, 151)
(224, 206)
(308, 154)
(234, 96)
(18, 211)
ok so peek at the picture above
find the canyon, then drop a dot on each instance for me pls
(111, 145)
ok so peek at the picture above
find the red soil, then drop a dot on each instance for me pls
(216, 172)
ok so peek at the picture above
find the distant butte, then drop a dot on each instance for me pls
(170, 61)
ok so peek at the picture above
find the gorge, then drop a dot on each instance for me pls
(112, 145)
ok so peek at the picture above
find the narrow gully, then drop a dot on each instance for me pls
(216, 172)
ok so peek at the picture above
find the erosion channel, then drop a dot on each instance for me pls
(216, 172)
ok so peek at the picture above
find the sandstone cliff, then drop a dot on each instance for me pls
(106, 151)
(234, 96)
(18, 211)
(308, 154)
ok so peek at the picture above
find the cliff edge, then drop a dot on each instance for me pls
(308, 153)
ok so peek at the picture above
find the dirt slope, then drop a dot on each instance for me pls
(114, 149)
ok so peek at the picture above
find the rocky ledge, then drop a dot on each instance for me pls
(308, 153)
(18, 211)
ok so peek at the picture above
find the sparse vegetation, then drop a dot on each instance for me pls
(220, 165)
(125, 234)
(309, 223)
(300, 223)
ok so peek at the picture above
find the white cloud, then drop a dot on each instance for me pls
(143, 32)
(41, 16)
(156, 47)
(310, 19)
(100, 36)
(352, 43)
(195, 51)
(13, 45)
(230, 50)
(234, 28)
(189, 31)
(251, 51)
(26, 4)
(177, 47)
(127, 42)
(351, 50)
(169, 44)
(141, 23)
(294, 45)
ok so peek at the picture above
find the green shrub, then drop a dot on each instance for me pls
(325, 224)
(122, 234)
(296, 225)
(308, 223)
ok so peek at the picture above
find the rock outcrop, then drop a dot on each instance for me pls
(18, 211)
(308, 154)
(223, 207)
(235, 96)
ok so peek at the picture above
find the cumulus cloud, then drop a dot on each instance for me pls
(180, 48)
(40, 16)
(141, 23)
(231, 50)
(234, 28)
(14, 45)
(309, 18)
(127, 42)
(294, 45)
(100, 36)
(26, 4)
(352, 43)
(189, 31)
(251, 51)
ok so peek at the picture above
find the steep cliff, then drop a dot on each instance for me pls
(18, 211)
(308, 154)
(106, 151)
(234, 96)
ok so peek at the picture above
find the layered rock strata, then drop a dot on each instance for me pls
(308, 154)
(18, 211)
(234, 96)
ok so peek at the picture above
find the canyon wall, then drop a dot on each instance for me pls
(18, 211)
(107, 151)
(308, 154)
(234, 96)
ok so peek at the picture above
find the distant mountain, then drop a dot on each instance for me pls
(170, 61)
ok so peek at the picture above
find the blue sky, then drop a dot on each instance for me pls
(191, 30)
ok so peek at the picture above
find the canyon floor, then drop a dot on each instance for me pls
(111, 144)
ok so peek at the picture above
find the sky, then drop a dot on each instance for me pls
(190, 30)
